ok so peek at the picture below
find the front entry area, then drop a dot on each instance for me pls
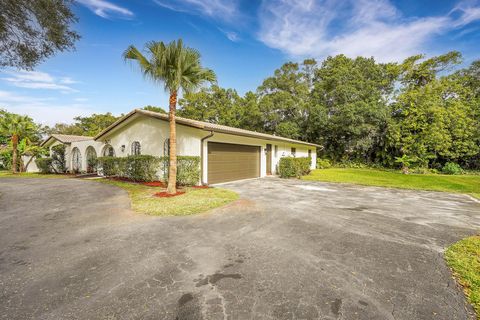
(230, 162)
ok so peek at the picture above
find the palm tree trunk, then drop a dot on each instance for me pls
(14, 152)
(172, 173)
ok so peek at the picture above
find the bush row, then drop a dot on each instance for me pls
(151, 168)
(290, 167)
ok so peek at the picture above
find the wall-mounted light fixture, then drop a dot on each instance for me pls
(122, 148)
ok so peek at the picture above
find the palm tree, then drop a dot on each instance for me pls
(179, 68)
(15, 127)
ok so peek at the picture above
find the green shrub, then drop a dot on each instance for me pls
(289, 167)
(452, 168)
(141, 168)
(188, 170)
(112, 166)
(59, 163)
(44, 164)
(146, 168)
(323, 163)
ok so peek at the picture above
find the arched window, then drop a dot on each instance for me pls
(108, 151)
(91, 155)
(76, 160)
(136, 148)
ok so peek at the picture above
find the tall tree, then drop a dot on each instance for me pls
(31, 31)
(348, 112)
(16, 127)
(283, 99)
(179, 68)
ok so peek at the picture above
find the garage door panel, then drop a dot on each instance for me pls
(229, 162)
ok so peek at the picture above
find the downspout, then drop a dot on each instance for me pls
(201, 156)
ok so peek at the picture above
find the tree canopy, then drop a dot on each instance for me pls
(422, 109)
(31, 31)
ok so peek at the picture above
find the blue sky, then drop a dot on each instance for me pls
(243, 41)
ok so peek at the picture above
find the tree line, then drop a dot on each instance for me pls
(422, 111)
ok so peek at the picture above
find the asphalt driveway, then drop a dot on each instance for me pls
(289, 249)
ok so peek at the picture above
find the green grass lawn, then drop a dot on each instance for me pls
(464, 259)
(192, 202)
(9, 174)
(469, 184)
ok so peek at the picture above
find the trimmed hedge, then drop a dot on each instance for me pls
(135, 168)
(147, 168)
(188, 170)
(44, 164)
(290, 167)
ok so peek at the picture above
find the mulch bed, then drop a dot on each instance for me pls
(155, 184)
(164, 194)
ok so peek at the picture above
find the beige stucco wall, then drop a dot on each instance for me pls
(82, 146)
(151, 133)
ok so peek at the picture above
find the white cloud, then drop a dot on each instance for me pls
(47, 111)
(231, 35)
(223, 9)
(39, 80)
(354, 27)
(469, 12)
(105, 9)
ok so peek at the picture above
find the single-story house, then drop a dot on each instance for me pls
(78, 151)
(226, 153)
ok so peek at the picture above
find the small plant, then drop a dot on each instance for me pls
(405, 161)
(452, 168)
(59, 163)
(323, 163)
(45, 165)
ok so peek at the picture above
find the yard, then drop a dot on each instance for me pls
(194, 200)
(468, 184)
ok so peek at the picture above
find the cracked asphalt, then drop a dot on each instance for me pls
(288, 249)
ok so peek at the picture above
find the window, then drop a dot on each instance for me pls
(108, 151)
(294, 151)
(309, 153)
(166, 147)
(136, 148)
(276, 151)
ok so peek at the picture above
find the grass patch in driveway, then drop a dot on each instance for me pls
(464, 259)
(469, 184)
(193, 201)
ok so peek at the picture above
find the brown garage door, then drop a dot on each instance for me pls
(229, 162)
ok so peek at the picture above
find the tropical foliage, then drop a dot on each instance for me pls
(31, 31)
(179, 69)
(361, 111)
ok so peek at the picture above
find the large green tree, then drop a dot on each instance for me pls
(16, 127)
(283, 99)
(435, 123)
(179, 68)
(348, 113)
(33, 30)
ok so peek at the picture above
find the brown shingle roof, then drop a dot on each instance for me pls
(67, 138)
(204, 126)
